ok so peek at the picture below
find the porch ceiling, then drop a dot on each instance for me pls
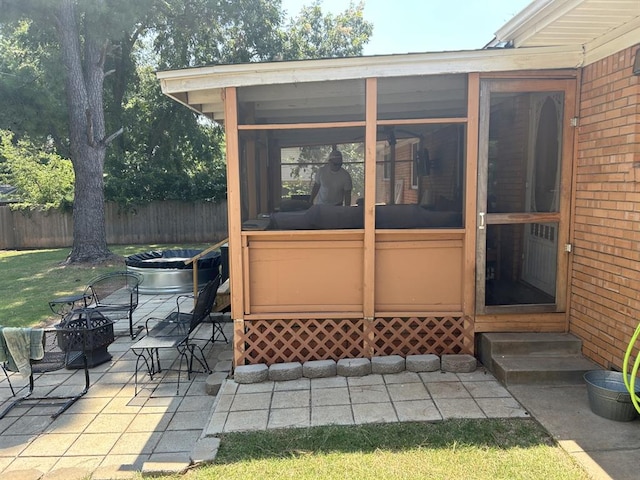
(201, 89)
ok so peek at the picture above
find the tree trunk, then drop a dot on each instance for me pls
(84, 86)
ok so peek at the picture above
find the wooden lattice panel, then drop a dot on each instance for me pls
(417, 336)
(278, 341)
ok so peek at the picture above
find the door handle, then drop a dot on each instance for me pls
(481, 224)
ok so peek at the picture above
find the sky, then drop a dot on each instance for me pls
(407, 26)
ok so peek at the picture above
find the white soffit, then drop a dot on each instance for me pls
(587, 23)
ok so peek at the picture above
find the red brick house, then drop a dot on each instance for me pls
(495, 190)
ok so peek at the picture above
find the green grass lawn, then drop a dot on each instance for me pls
(453, 449)
(30, 278)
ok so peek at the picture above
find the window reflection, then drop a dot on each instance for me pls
(419, 176)
(521, 264)
(292, 179)
(525, 133)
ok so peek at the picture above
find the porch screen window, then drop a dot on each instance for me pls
(302, 102)
(419, 176)
(425, 96)
(278, 169)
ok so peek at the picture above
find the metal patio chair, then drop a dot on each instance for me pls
(31, 352)
(174, 331)
(115, 294)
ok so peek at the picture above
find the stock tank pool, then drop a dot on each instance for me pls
(165, 271)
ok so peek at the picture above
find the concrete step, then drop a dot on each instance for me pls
(492, 345)
(542, 358)
(541, 369)
(536, 343)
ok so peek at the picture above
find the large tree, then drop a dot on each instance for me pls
(104, 49)
(84, 30)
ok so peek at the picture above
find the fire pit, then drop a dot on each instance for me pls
(86, 329)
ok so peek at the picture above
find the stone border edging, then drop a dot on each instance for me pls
(354, 367)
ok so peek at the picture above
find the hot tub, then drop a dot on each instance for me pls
(166, 271)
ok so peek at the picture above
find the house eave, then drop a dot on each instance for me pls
(178, 84)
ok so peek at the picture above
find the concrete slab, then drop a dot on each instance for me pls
(368, 394)
(400, 392)
(606, 448)
(332, 415)
(113, 472)
(323, 397)
(289, 418)
(27, 474)
(247, 420)
(417, 411)
(458, 408)
(290, 399)
(374, 413)
(205, 450)
(166, 464)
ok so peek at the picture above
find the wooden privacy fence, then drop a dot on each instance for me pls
(158, 222)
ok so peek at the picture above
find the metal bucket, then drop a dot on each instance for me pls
(609, 397)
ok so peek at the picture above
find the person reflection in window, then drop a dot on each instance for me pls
(332, 183)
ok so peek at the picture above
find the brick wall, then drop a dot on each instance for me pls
(605, 282)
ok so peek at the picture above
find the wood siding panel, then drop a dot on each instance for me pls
(543, 322)
(309, 276)
(419, 275)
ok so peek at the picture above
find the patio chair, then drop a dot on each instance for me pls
(218, 318)
(115, 294)
(175, 331)
(34, 351)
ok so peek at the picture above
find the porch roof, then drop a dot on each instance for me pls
(547, 34)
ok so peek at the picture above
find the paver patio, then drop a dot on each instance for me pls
(110, 433)
(403, 397)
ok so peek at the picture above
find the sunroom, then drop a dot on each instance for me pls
(459, 218)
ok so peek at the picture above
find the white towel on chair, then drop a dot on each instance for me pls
(22, 346)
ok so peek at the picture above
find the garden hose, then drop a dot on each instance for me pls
(630, 380)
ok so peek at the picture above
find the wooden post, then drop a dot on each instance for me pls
(234, 220)
(470, 202)
(369, 280)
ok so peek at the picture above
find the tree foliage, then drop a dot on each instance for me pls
(165, 151)
(43, 178)
(313, 34)
(167, 154)
(32, 94)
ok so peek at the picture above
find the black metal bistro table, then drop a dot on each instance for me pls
(63, 305)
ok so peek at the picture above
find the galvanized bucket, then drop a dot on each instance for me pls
(608, 396)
